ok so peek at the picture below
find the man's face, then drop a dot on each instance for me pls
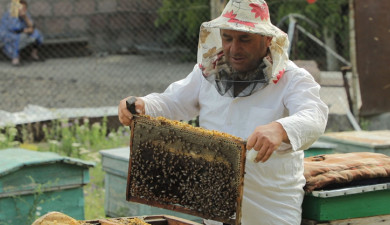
(244, 51)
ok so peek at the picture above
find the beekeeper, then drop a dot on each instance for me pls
(244, 84)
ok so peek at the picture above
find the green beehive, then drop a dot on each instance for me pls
(115, 163)
(34, 183)
(320, 148)
(347, 203)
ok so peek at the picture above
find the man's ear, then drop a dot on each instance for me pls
(268, 40)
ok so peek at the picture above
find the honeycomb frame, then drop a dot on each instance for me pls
(186, 169)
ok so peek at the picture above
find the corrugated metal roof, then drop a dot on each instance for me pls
(13, 159)
(34, 113)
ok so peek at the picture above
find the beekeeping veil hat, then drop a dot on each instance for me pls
(250, 16)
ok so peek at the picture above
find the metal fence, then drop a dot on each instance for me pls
(99, 51)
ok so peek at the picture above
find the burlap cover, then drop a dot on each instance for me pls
(325, 170)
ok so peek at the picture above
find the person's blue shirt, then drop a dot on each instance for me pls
(11, 29)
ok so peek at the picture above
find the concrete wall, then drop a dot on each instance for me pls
(108, 24)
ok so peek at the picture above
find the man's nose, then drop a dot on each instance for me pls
(235, 47)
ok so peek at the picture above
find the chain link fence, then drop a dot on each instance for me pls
(99, 51)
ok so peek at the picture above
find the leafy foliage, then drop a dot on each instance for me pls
(181, 21)
(7, 137)
(325, 13)
(330, 15)
(82, 139)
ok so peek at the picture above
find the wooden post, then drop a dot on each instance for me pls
(355, 77)
(217, 7)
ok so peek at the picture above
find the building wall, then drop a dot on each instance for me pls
(108, 24)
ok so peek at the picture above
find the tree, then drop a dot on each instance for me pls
(181, 20)
(331, 16)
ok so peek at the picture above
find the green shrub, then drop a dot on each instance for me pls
(181, 21)
(7, 137)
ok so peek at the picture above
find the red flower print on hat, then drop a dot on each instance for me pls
(279, 76)
(260, 10)
(233, 19)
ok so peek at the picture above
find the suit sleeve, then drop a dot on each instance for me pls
(308, 114)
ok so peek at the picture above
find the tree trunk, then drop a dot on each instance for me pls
(332, 64)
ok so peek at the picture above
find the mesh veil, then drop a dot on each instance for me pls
(236, 84)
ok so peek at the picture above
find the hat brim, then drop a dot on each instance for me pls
(263, 29)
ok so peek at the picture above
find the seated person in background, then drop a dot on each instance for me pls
(17, 31)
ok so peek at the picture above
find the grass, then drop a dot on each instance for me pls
(77, 139)
(94, 194)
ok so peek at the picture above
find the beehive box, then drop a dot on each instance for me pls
(359, 141)
(115, 163)
(34, 183)
(346, 203)
(319, 148)
(152, 220)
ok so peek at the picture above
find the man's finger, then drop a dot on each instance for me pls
(267, 155)
(262, 152)
(250, 143)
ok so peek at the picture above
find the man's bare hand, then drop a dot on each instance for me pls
(266, 139)
(124, 114)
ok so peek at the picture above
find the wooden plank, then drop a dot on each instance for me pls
(360, 141)
(153, 220)
(374, 220)
(369, 139)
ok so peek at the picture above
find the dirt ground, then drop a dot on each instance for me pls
(85, 82)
